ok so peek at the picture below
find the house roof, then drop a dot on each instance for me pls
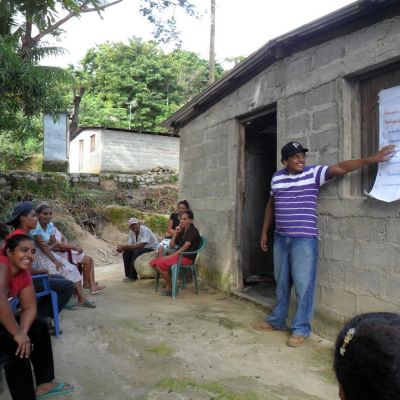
(340, 22)
(105, 128)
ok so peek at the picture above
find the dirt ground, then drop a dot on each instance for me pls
(139, 345)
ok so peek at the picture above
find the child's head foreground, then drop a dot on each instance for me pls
(367, 357)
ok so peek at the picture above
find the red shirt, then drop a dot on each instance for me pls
(17, 282)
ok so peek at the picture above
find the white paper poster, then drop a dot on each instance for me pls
(387, 181)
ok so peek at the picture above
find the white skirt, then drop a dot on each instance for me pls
(68, 271)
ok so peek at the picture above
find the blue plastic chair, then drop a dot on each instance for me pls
(54, 299)
(177, 268)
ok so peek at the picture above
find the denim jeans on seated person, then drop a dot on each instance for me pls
(64, 289)
(295, 264)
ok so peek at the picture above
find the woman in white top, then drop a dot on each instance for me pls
(45, 241)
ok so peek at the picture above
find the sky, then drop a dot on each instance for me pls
(242, 26)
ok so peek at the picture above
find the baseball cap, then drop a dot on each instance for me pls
(19, 209)
(132, 221)
(292, 148)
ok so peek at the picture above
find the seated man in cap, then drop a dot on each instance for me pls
(141, 240)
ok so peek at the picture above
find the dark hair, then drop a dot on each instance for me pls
(185, 203)
(13, 241)
(17, 221)
(189, 213)
(4, 231)
(367, 357)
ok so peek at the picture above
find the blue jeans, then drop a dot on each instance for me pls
(295, 263)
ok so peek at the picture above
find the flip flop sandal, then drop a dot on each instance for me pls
(70, 306)
(87, 303)
(97, 291)
(58, 390)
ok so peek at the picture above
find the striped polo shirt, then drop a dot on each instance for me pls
(295, 199)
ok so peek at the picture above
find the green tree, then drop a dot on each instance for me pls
(137, 85)
(27, 89)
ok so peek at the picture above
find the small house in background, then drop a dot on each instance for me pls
(55, 143)
(101, 149)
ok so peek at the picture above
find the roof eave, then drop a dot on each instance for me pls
(339, 22)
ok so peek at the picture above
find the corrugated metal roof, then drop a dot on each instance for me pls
(340, 22)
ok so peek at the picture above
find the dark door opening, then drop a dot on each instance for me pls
(260, 148)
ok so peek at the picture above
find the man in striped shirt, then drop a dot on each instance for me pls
(293, 203)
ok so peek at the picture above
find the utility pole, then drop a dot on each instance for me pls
(211, 59)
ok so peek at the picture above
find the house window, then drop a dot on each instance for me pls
(92, 143)
(370, 86)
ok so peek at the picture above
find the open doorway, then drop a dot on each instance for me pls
(260, 149)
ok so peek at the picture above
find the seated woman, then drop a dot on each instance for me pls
(367, 357)
(24, 340)
(44, 235)
(78, 256)
(173, 222)
(23, 219)
(187, 237)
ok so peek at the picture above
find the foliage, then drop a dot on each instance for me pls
(119, 215)
(18, 146)
(137, 85)
(27, 89)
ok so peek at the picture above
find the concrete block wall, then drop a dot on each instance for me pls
(118, 151)
(128, 151)
(358, 269)
(91, 161)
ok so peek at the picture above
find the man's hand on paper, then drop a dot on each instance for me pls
(385, 153)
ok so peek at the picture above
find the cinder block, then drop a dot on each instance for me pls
(298, 125)
(331, 273)
(325, 118)
(370, 283)
(295, 104)
(320, 96)
(325, 141)
(297, 69)
(339, 250)
(329, 52)
(392, 285)
(374, 304)
(366, 37)
(339, 299)
(392, 227)
(379, 256)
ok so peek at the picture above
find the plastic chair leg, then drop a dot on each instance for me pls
(194, 273)
(184, 276)
(157, 281)
(54, 305)
(174, 279)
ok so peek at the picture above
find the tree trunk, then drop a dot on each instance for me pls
(73, 126)
(211, 60)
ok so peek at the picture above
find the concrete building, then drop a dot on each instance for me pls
(317, 85)
(98, 150)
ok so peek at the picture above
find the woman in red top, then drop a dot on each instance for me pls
(187, 237)
(25, 339)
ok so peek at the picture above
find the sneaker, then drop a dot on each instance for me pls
(265, 326)
(296, 340)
